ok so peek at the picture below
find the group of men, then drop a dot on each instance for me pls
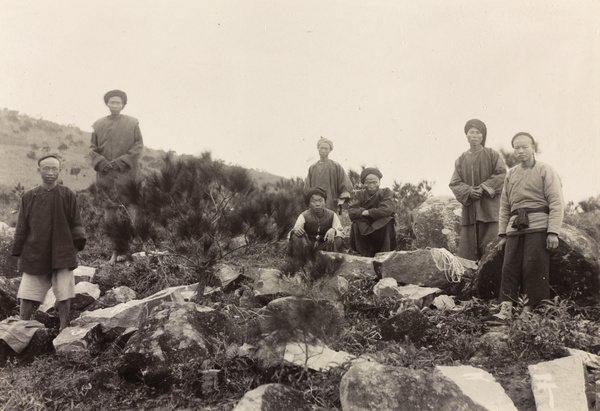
(523, 206)
(49, 231)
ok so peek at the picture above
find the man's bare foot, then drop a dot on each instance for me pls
(113, 258)
(121, 258)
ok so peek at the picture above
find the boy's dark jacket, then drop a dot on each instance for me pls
(68, 235)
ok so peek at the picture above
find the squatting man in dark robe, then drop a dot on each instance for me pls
(48, 235)
(317, 228)
(531, 216)
(116, 148)
(477, 183)
(373, 217)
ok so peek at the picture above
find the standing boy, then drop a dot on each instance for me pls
(48, 235)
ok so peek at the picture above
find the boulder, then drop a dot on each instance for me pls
(129, 314)
(387, 288)
(411, 324)
(574, 269)
(113, 297)
(480, 386)
(227, 276)
(559, 384)
(40, 343)
(83, 273)
(589, 360)
(273, 397)
(171, 334)
(372, 386)
(354, 267)
(443, 302)
(79, 338)
(426, 268)
(419, 296)
(436, 223)
(271, 283)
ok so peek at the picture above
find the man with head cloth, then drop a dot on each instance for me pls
(330, 176)
(115, 149)
(48, 235)
(372, 214)
(477, 183)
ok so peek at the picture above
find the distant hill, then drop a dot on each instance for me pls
(24, 139)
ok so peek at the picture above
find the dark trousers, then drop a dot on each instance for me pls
(378, 241)
(526, 268)
(302, 246)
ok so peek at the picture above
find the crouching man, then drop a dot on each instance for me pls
(318, 228)
(48, 235)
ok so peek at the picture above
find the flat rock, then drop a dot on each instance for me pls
(589, 360)
(559, 385)
(354, 267)
(480, 386)
(316, 356)
(79, 338)
(271, 282)
(372, 386)
(387, 288)
(443, 302)
(114, 296)
(84, 273)
(436, 223)
(273, 397)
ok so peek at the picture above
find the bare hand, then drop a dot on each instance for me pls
(365, 213)
(476, 193)
(330, 235)
(107, 168)
(299, 231)
(551, 241)
(500, 245)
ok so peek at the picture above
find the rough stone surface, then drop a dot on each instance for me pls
(75, 338)
(113, 297)
(443, 302)
(228, 277)
(480, 386)
(574, 269)
(273, 397)
(387, 288)
(410, 323)
(270, 283)
(84, 273)
(354, 267)
(316, 356)
(371, 386)
(589, 360)
(172, 333)
(436, 223)
(559, 385)
(411, 267)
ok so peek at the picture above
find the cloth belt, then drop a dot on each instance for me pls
(522, 221)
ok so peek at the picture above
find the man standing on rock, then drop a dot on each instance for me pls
(531, 215)
(49, 233)
(477, 183)
(116, 148)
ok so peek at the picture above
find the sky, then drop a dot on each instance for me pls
(392, 83)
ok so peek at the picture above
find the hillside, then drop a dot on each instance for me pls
(24, 139)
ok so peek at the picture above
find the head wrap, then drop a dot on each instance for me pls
(325, 140)
(368, 171)
(479, 125)
(315, 191)
(522, 133)
(48, 156)
(114, 93)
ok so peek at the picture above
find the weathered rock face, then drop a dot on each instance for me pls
(113, 297)
(227, 276)
(559, 384)
(436, 223)
(273, 397)
(84, 338)
(410, 323)
(84, 273)
(419, 296)
(371, 386)
(173, 333)
(480, 386)
(354, 267)
(574, 269)
(417, 267)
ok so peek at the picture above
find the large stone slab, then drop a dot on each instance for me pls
(559, 385)
(273, 397)
(316, 356)
(419, 296)
(480, 386)
(574, 268)
(78, 338)
(354, 266)
(417, 267)
(589, 360)
(436, 223)
(372, 386)
(84, 273)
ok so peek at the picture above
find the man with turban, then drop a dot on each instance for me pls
(372, 214)
(477, 183)
(317, 228)
(330, 176)
(115, 150)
